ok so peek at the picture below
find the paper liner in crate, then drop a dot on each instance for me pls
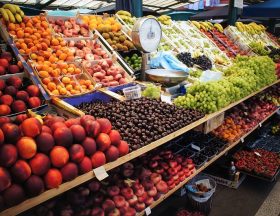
(67, 79)
(68, 26)
(107, 72)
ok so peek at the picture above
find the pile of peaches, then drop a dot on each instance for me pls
(16, 98)
(128, 190)
(36, 154)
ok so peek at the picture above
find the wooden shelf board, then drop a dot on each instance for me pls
(208, 163)
(30, 203)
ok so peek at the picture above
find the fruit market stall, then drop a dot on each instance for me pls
(89, 138)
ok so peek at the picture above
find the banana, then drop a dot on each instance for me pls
(10, 7)
(4, 14)
(18, 18)
(11, 16)
(197, 24)
(21, 13)
(17, 8)
(219, 27)
(205, 25)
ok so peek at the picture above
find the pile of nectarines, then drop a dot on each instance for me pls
(37, 155)
(14, 98)
(8, 65)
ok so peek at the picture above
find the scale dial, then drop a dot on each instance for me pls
(146, 34)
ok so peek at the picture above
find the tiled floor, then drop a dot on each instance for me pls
(253, 197)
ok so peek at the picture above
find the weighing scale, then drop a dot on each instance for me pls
(146, 36)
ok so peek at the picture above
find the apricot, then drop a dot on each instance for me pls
(21, 170)
(53, 178)
(31, 127)
(63, 137)
(8, 155)
(77, 153)
(59, 156)
(14, 195)
(85, 165)
(98, 159)
(69, 171)
(78, 132)
(40, 164)
(12, 132)
(27, 147)
(5, 179)
(34, 186)
(45, 142)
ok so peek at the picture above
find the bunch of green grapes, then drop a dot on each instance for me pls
(151, 91)
(246, 75)
(258, 48)
(196, 73)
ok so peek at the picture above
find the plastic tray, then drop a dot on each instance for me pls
(204, 160)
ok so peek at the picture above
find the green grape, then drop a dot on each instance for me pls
(246, 75)
(151, 91)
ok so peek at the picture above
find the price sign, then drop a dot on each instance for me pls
(148, 211)
(238, 3)
(100, 173)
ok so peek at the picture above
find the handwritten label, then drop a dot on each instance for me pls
(195, 147)
(148, 211)
(100, 173)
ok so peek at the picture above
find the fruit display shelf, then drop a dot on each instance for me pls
(208, 163)
(109, 166)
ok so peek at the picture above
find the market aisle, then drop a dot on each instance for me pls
(272, 202)
(253, 197)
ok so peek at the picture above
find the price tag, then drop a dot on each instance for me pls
(238, 3)
(242, 139)
(148, 211)
(100, 173)
(166, 98)
(260, 124)
(195, 147)
(257, 153)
